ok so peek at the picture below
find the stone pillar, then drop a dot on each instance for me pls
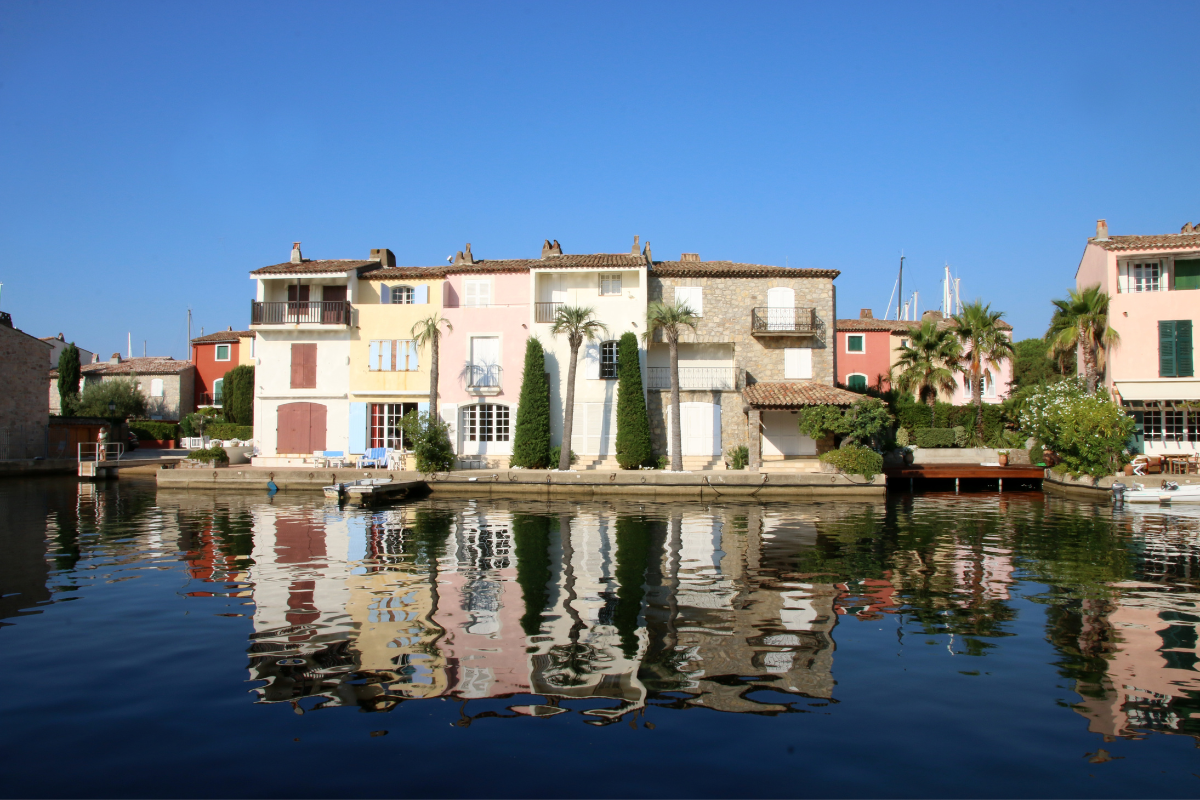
(754, 437)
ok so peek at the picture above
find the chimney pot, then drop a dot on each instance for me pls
(1102, 230)
(636, 248)
(115, 358)
(866, 314)
(296, 257)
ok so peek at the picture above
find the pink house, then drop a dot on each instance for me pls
(481, 360)
(1150, 282)
(868, 348)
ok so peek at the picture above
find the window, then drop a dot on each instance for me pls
(402, 295)
(797, 363)
(1175, 348)
(610, 284)
(1173, 427)
(222, 352)
(477, 293)
(392, 355)
(989, 389)
(1187, 275)
(1152, 425)
(217, 386)
(855, 343)
(856, 383)
(485, 361)
(485, 422)
(304, 366)
(1143, 277)
(385, 424)
(904, 342)
(608, 359)
(156, 386)
(693, 296)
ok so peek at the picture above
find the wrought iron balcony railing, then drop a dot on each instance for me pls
(786, 321)
(331, 312)
(694, 378)
(480, 376)
(545, 312)
(210, 399)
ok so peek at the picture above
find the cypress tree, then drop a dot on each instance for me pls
(237, 390)
(531, 441)
(68, 380)
(633, 424)
(531, 537)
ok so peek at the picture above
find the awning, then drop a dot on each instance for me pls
(1184, 390)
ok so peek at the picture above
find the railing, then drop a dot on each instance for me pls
(545, 312)
(694, 378)
(94, 451)
(207, 399)
(480, 376)
(332, 312)
(802, 321)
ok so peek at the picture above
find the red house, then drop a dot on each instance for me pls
(216, 354)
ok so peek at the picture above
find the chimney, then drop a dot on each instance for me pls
(646, 253)
(60, 338)
(296, 257)
(95, 358)
(1101, 230)
(931, 315)
(115, 358)
(230, 328)
(689, 256)
(866, 314)
(464, 256)
(384, 256)
(636, 250)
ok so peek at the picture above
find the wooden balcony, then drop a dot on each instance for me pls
(316, 312)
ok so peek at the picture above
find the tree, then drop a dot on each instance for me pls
(429, 438)
(672, 319)
(1033, 367)
(429, 331)
(634, 448)
(531, 440)
(68, 380)
(926, 364)
(122, 394)
(1088, 431)
(237, 388)
(863, 424)
(986, 345)
(1080, 324)
(577, 324)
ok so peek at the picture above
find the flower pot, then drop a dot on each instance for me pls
(1003, 459)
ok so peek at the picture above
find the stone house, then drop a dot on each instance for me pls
(763, 349)
(167, 384)
(24, 412)
(59, 343)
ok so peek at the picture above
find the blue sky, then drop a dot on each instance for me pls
(152, 154)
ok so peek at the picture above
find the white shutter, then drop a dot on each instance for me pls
(470, 296)
(591, 361)
(414, 362)
(373, 357)
(693, 296)
(385, 293)
(579, 429)
(449, 414)
(797, 363)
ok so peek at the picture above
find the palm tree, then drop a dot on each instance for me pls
(579, 324)
(926, 364)
(429, 331)
(986, 344)
(1080, 324)
(672, 319)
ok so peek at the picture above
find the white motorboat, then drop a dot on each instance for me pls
(1169, 492)
(339, 491)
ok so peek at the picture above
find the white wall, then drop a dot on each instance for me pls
(273, 378)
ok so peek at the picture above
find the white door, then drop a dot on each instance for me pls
(699, 430)
(781, 309)
(782, 437)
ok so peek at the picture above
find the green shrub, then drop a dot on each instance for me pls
(531, 439)
(633, 423)
(664, 462)
(237, 395)
(146, 430)
(227, 430)
(935, 437)
(68, 379)
(739, 457)
(1037, 453)
(429, 438)
(215, 453)
(122, 393)
(902, 438)
(1089, 432)
(554, 456)
(855, 460)
(961, 437)
(863, 423)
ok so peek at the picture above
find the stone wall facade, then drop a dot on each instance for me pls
(728, 305)
(24, 402)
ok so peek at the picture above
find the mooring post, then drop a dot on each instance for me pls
(956, 485)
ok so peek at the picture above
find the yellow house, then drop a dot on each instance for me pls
(389, 373)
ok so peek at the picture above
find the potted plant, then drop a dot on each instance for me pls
(1003, 458)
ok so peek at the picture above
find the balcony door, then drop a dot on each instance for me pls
(485, 361)
(332, 310)
(297, 301)
(781, 309)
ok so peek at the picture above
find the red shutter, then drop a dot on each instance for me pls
(316, 426)
(300, 428)
(310, 368)
(304, 366)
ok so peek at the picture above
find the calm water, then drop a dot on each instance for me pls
(186, 644)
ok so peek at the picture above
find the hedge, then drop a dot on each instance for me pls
(855, 460)
(215, 453)
(227, 430)
(935, 437)
(914, 416)
(150, 430)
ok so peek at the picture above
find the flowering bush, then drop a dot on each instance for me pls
(1089, 432)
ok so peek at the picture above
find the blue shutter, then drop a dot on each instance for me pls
(1166, 348)
(1183, 348)
(420, 294)
(358, 428)
(422, 408)
(386, 352)
(373, 356)
(414, 358)
(385, 293)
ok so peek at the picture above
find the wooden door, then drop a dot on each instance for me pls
(300, 428)
(297, 301)
(304, 366)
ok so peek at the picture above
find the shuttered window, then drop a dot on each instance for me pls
(477, 293)
(1175, 348)
(693, 296)
(1187, 275)
(304, 366)
(392, 355)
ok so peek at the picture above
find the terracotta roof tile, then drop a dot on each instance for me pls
(791, 394)
(1166, 241)
(150, 365)
(307, 267)
(897, 326)
(398, 273)
(733, 269)
(223, 336)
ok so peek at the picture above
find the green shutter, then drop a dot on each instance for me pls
(1166, 348)
(857, 382)
(1183, 348)
(1187, 275)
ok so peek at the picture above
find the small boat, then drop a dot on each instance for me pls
(340, 491)
(1168, 492)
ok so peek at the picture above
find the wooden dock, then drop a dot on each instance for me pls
(379, 493)
(897, 476)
